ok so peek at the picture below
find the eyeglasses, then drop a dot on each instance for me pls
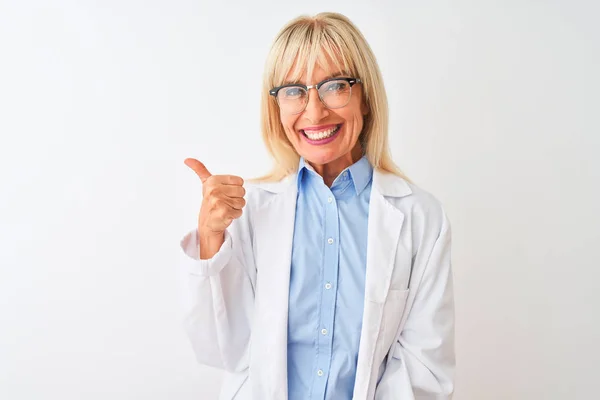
(333, 92)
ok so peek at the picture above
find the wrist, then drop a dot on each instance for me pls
(209, 243)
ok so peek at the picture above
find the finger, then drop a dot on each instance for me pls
(237, 203)
(231, 180)
(229, 213)
(198, 168)
(234, 213)
(232, 190)
(224, 203)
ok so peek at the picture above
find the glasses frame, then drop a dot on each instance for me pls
(351, 81)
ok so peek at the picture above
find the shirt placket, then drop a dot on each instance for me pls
(328, 294)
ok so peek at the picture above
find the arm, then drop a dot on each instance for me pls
(421, 362)
(218, 299)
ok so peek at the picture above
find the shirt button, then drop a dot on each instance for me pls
(330, 199)
(320, 372)
(324, 331)
(328, 286)
(330, 240)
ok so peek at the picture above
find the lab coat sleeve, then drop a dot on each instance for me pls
(421, 362)
(218, 298)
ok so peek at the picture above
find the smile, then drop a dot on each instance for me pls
(319, 136)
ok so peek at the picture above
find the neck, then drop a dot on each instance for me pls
(332, 170)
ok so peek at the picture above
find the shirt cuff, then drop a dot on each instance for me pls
(210, 267)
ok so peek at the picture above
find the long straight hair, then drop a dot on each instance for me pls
(300, 45)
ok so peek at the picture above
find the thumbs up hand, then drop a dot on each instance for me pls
(222, 202)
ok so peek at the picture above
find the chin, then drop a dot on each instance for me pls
(321, 157)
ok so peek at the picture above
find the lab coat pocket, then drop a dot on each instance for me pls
(393, 311)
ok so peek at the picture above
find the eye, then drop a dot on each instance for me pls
(336, 86)
(293, 91)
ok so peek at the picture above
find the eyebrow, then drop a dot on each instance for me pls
(335, 75)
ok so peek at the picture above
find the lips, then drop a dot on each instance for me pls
(322, 137)
(319, 128)
(321, 132)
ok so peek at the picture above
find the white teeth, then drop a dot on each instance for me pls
(322, 134)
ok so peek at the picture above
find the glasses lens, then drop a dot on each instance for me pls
(335, 94)
(292, 99)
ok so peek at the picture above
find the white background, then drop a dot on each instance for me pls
(494, 109)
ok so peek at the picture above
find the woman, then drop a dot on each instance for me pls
(333, 280)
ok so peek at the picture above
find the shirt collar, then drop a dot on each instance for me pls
(360, 173)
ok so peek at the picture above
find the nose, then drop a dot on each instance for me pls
(315, 110)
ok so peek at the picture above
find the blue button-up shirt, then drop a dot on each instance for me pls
(327, 282)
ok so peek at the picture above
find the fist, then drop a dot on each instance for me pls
(222, 200)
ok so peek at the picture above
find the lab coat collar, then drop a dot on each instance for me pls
(360, 173)
(388, 184)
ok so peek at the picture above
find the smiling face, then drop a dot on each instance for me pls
(326, 138)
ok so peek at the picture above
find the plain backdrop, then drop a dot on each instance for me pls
(494, 109)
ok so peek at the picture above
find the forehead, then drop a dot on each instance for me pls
(305, 62)
(308, 71)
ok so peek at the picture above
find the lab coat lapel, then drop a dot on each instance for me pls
(384, 226)
(274, 222)
(274, 227)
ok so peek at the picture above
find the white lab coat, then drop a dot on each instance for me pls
(236, 303)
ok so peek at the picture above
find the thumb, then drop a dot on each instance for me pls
(198, 168)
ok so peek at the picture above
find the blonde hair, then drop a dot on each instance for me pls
(302, 43)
